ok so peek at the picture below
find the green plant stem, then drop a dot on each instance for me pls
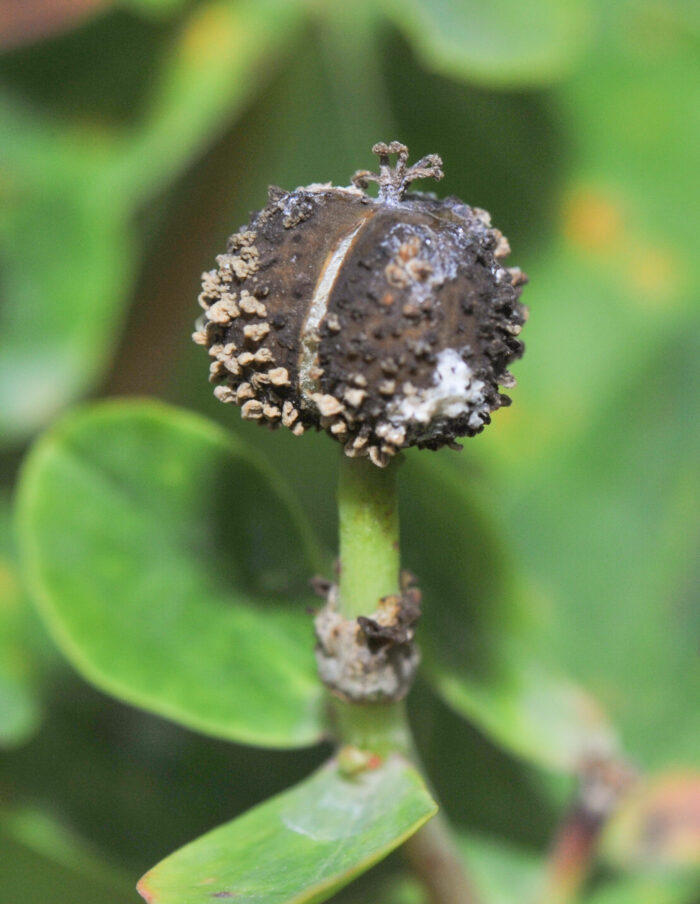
(431, 853)
(380, 727)
(436, 862)
(369, 535)
(369, 570)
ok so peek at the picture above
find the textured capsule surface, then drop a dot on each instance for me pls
(387, 322)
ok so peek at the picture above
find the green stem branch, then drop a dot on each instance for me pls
(369, 570)
(369, 535)
(380, 727)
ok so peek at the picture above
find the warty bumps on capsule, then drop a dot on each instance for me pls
(388, 322)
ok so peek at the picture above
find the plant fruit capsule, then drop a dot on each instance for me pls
(388, 322)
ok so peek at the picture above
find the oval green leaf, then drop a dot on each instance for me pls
(301, 846)
(474, 631)
(503, 43)
(172, 571)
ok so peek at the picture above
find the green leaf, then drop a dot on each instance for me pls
(20, 707)
(70, 193)
(66, 262)
(474, 631)
(531, 710)
(20, 704)
(216, 62)
(616, 546)
(601, 480)
(28, 875)
(155, 8)
(171, 570)
(41, 860)
(648, 890)
(300, 846)
(593, 471)
(501, 43)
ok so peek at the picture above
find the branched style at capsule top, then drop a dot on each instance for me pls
(388, 322)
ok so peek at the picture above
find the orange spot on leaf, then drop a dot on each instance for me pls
(660, 824)
(593, 222)
(654, 272)
(208, 32)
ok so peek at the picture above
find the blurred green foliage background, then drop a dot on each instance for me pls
(136, 135)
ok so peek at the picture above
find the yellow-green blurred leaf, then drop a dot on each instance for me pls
(657, 826)
(503, 42)
(476, 639)
(216, 62)
(645, 891)
(40, 860)
(70, 194)
(20, 699)
(596, 462)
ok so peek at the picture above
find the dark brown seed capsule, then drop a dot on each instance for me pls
(388, 322)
